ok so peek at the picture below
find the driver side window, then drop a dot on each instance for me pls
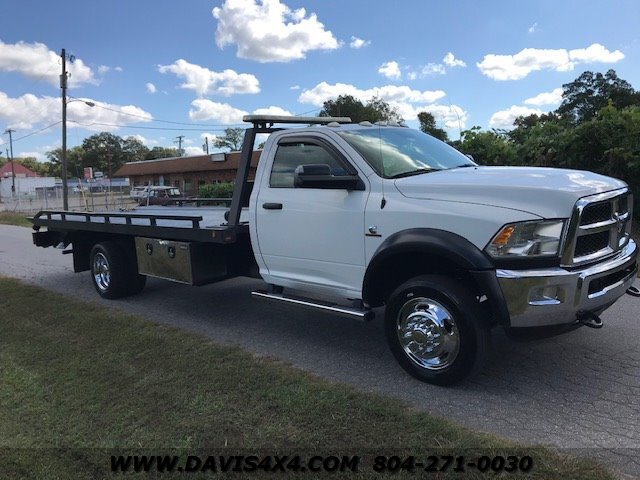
(290, 155)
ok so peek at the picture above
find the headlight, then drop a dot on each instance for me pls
(527, 239)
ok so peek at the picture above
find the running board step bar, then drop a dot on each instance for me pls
(361, 314)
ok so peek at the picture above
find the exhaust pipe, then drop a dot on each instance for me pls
(633, 291)
(589, 319)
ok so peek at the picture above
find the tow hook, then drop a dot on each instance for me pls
(633, 291)
(589, 319)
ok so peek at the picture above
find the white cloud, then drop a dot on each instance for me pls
(151, 88)
(35, 60)
(595, 53)
(505, 118)
(211, 136)
(269, 31)
(515, 67)
(272, 110)
(102, 69)
(119, 69)
(533, 28)
(390, 70)
(357, 43)
(144, 140)
(432, 69)
(224, 113)
(39, 156)
(450, 116)
(451, 61)
(389, 93)
(192, 151)
(207, 82)
(406, 101)
(28, 110)
(553, 97)
(294, 87)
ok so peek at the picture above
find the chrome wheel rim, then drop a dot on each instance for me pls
(101, 273)
(428, 333)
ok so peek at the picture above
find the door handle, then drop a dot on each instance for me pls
(272, 206)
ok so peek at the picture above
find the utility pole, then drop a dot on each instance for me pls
(205, 147)
(13, 170)
(63, 86)
(179, 142)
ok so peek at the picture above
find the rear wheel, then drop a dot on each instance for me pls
(435, 329)
(114, 275)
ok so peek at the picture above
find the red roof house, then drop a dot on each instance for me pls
(19, 169)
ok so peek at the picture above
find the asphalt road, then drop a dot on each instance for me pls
(579, 392)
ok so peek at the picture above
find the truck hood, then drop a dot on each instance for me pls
(547, 192)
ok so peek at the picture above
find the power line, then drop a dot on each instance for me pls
(143, 127)
(37, 131)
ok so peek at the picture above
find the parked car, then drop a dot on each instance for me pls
(138, 192)
(161, 196)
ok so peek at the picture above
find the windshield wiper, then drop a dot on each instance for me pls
(414, 172)
(465, 165)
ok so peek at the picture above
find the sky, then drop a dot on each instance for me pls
(159, 69)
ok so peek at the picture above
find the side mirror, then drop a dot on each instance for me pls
(319, 176)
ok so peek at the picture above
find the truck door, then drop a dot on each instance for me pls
(311, 236)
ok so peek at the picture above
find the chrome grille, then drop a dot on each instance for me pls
(588, 244)
(596, 212)
(600, 226)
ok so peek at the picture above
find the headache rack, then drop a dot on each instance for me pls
(263, 124)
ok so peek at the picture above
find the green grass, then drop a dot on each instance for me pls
(11, 218)
(79, 382)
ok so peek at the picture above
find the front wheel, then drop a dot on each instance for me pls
(435, 329)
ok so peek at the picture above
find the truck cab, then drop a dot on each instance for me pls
(389, 216)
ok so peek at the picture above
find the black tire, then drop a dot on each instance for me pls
(435, 329)
(109, 270)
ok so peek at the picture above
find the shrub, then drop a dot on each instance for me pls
(216, 190)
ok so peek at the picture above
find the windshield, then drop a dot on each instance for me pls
(399, 152)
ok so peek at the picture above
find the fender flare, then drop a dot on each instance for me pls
(449, 246)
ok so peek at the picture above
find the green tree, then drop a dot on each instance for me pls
(74, 162)
(103, 152)
(428, 125)
(488, 147)
(161, 152)
(232, 139)
(35, 166)
(375, 110)
(133, 149)
(590, 92)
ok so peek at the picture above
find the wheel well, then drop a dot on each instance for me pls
(397, 269)
(83, 243)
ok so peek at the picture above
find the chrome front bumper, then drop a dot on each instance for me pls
(554, 296)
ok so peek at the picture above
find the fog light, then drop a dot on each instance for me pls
(550, 295)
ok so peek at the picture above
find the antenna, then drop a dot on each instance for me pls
(383, 202)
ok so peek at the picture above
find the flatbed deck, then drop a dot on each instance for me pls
(204, 224)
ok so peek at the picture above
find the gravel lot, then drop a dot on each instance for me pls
(579, 393)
